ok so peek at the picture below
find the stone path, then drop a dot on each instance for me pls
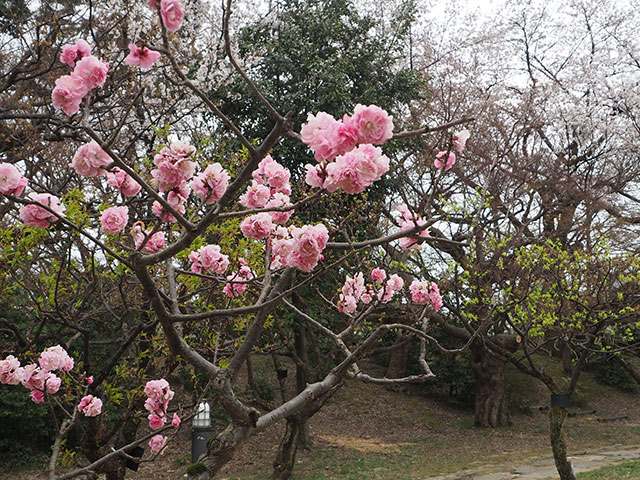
(543, 467)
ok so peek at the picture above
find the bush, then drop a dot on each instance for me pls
(610, 373)
(25, 427)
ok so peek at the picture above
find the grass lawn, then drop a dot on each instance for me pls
(627, 470)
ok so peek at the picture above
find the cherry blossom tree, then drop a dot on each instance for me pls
(169, 234)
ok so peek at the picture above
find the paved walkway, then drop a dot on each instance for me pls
(543, 467)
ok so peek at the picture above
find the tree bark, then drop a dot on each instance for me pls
(556, 421)
(286, 456)
(491, 408)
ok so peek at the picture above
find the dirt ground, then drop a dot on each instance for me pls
(367, 431)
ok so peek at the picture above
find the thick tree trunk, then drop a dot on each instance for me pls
(491, 409)
(556, 420)
(397, 366)
(286, 456)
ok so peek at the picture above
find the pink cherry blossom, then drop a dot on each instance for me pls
(451, 160)
(273, 174)
(313, 176)
(308, 243)
(279, 200)
(211, 183)
(394, 284)
(11, 373)
(209, 258)
(71, 53)
(157, 442)
(36, 216)
(68, 93)
(257, 226)
(172, 13)
(89, 159)
(89, 380)
(11, 181)
(158, 390)
(460, 139)
(92, 71)
(256, 196)
(243, 275)
(347, 304)
(423, 293)
(155, 242)
(175, 421)
(373, 123)
(354, 286)
(174, 166)
(156, 421)
(37, 396)
(142, 57)
(53, 383)
(176, 199)
(122, 181)
(114, 219)
(55, 358)
(315, 123)
(409, 221)
(356, 170)
(90, 406)
(378, 275)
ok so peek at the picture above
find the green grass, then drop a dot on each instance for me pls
(627, 471)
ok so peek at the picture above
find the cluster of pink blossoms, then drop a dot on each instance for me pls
(408, 221)
(270, 188)
(175, 169)
(210, 258)
(90, 406)
(211, 183)
(159, 394)
(89, 72)
(123, 182)
(299, 247)
(238, 280)
(342, 164)
(12, 182)
(426, 293)
(154, 243)
(354, 290)
(38, 378)
(459, 142)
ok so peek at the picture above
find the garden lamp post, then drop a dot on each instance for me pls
(200, 431)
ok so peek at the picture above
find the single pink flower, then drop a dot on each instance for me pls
(176, 420)
(89, 380)
(68, 93)
(209, 258)
(90, 406)
(154, 244)
(55, 358)
(460, 139)
(37, 396)
(373, 123)
(156, 421)
(378, 275)
(257, 226)
(10, 179)
(172, 13)
(71, 53)
(451, 160)
(114, 219)
(36, 216)
(92, 71)
(53, 383)
(89, 160)
(157, 442)
(256, 196)
(142, 57)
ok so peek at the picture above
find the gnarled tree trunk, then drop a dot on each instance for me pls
(491, 408)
